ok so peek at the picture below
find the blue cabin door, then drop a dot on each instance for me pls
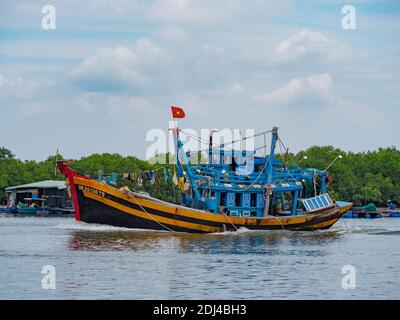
(230, 199)
(246, 200)
(260, 200)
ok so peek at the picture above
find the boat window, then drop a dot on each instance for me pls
(246, 213)
(222, 199)
(237, 199)
(234, 213)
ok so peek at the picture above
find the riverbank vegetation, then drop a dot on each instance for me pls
(364, 177)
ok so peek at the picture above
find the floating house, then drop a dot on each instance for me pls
(48, 196)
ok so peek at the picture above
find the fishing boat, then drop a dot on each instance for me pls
(223, 194)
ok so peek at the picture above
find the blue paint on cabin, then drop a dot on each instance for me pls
(240, 183)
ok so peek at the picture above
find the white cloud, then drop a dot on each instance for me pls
(20, 88)
(234, 89)
(315, 89)
(172, 33)
(117, 68)
(84, 101)
(311, 47)
(25, 97)
(120, 104)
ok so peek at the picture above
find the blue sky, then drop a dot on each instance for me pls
(111, 69)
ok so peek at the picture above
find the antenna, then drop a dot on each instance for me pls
(55, 166)
(304, 158)
(338, 157)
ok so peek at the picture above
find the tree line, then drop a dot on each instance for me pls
(361, 178)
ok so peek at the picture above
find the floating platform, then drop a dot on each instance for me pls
(362, 215)
(394, 215)
(46, 212)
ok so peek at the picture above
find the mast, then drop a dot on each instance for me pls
(189, 173)
(270, 166)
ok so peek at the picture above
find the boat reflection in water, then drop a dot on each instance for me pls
(252, 242)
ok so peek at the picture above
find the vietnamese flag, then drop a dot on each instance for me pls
(177, 113)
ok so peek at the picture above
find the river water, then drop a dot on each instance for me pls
(102, 262)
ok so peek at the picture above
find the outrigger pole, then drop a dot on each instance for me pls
(270, 167)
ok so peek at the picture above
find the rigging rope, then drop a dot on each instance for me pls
(130, 194)
(253, 183)
(230, 221)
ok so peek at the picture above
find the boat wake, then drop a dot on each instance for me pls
(346, 229)
(82, 226)
(241, 230)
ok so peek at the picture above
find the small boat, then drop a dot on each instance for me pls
(23, 208)
(215, 197)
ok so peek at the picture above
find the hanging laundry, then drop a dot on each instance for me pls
(147, 176)
(186, 186)
(157, 182)
(165, 175)
(175, 179)
(139, 180)
(181, 184)
(151, 177)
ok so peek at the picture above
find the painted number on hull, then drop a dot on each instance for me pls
(91, 190)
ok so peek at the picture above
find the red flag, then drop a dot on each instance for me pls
(177, 113)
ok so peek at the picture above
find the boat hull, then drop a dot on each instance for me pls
(103, 204)
(27, 210)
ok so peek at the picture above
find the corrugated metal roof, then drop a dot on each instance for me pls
(48, 184)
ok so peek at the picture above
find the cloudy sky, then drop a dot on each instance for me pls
(110, 70)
